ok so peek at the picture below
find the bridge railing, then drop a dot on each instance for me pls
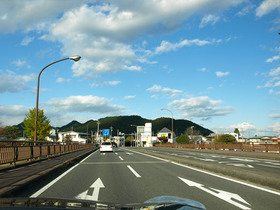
(235, 147)
(13, 151)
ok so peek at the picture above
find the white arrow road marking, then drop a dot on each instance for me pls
(226, 196)
(86, 195)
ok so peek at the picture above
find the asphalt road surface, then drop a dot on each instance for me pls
(126, 176)
(268, 166)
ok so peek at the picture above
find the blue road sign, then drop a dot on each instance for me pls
(106, 132)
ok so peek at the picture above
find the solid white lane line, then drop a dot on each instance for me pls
(39, 192)
(133, 171)
(120, 157)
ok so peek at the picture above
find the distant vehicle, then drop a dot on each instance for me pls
(106, 147)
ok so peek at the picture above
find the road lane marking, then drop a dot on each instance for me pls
(240, 165)
(95, 193)
(241, 159)
(212, 174)
(120, 157)
(133, 171)
(229, 179)
(267, 165)
(39, 192)
(224, 195)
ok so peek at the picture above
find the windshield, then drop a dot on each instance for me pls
(122, 102)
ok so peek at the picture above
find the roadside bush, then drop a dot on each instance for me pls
(183, 139)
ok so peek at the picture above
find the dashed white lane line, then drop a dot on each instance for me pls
(120, 157)
(133, 171)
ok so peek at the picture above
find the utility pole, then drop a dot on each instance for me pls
(111, 133)
(98, 123)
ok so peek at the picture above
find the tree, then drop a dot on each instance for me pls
(12, 132)
(43, 125)
(236, 131)
(224, 138)
(183, 139)
(2, 130)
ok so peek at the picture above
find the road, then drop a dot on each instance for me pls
(253, 164)
(126, 176)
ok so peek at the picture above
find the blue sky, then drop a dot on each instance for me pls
(213, 62)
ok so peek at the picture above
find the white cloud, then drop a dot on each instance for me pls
(246, 10)
(12, 82)
(274, 58)
(102, 33)
(129, 97)
(27, 40)
(12, 114)
(203, 69)
(202, 107)
(168, 91)
(274, 116)
(244, 126)
(29, 15)
(104, 41)
(267, 6)
(209, 19)
(62, 80)
(81, 104)
(275, 127)
(104, 83)
(274, 72)
(167, 46)
(20, 63)
(222, 74)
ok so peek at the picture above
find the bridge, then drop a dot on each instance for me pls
(135, 175)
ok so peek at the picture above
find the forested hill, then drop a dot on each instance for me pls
(123, 124)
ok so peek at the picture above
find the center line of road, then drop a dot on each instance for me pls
(133, 171)
(120, 157)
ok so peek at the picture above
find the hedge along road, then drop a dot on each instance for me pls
(263, 172)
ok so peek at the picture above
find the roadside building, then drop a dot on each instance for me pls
(73, 136)
(165, 133)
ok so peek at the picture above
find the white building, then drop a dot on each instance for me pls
(73, 136)
(165, 132)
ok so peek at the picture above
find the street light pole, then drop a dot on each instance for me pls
(74, 58)
(172, 123)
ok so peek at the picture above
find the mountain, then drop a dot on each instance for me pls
(123, 124)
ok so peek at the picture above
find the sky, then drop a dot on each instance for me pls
(214, 62)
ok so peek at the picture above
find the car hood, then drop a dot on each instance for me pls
(50, 203)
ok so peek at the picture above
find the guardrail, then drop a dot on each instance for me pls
(235, 147)
(13, 151)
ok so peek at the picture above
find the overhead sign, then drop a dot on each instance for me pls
(106, 132)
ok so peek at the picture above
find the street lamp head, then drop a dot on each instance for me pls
(75, 58)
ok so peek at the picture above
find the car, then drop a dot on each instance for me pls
(106, 147)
